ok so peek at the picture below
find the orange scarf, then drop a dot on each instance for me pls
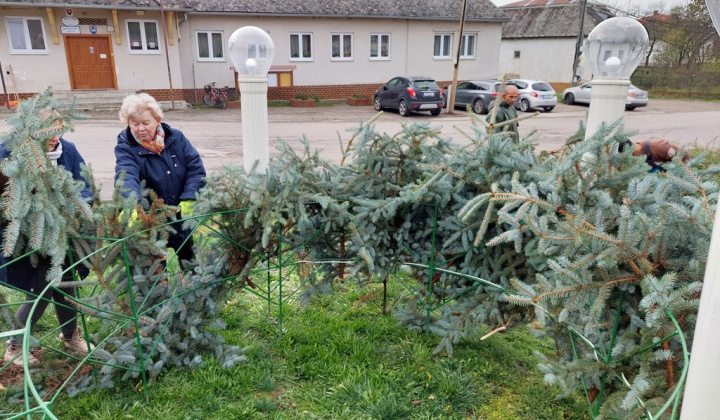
(155, 145)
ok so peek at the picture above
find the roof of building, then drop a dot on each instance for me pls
(551, 18)
(656, 17)
(528, 3)
(477, 10)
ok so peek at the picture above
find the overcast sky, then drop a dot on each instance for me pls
(632, 5)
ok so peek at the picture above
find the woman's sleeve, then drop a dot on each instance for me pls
(125, 162)
(195, 174)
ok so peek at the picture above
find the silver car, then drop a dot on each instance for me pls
(534, 94)
(476, 93)
(636, 97)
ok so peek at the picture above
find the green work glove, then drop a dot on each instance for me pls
(187, 208)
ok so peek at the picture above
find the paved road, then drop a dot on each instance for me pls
(217, 133)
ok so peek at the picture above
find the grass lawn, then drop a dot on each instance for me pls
(340, 358)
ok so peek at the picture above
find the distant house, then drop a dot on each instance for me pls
(329, 48)
(539, 41)
(656, 25)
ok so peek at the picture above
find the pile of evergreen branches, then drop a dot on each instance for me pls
(581, 244)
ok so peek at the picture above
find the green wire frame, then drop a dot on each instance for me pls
(275, 270)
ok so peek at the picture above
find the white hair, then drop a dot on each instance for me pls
(134, 105)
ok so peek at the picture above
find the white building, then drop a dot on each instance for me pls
(329, 48)
(540, 40)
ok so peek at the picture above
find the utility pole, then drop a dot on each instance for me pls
(579, 42)
(451, 99)
(167, 52)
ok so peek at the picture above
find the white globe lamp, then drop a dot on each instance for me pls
(252, 50)
(613, 50)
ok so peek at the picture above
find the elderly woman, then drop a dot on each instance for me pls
(163, 157)
(33, 278)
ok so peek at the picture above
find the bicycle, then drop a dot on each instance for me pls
(215, 97)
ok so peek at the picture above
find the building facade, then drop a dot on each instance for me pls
(332, 49)
(540, 40)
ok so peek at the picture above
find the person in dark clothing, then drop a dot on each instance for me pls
(33, 279)
(506, 112)
(150, 150)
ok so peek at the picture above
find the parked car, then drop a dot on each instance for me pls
(476, 93)
(534, 94)
(407, 94)
(636, 97)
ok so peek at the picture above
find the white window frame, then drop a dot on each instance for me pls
(143, 36)
(444, 55)
(380, 55)
(26, 34)
(211, 55)
(464, 53)
(300, 36)
(343, 37)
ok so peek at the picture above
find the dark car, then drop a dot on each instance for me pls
(408, 94)
(476, 93)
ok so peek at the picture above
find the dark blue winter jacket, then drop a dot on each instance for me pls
(176, 174)
(22, 274)
(70, 159)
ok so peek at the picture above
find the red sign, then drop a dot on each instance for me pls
(68, 12)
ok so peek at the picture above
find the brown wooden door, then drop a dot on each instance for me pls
(90, 61)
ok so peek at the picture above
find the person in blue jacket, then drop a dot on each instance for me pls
(33, 279)
(150, 150)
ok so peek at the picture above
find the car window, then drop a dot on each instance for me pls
(521, 85)
(542, 87)
(425, 84)
(462, 85)
(586, 86)
(484, 87)
(472, 86)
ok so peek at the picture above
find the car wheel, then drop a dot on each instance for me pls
(479, 106)
(629, 107)
(435, 112)
(569, 99)
(524, 105)
(403, 108)
(377, 104)
(548, 108)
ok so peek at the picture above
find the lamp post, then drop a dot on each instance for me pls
(700, 400)
(613, 49)
(251, 50)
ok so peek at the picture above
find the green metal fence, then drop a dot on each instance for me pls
(275, 289)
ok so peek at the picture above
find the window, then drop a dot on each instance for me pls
(341, 47)
(467, 46)
(517, 54)
(442, 45)
(301, 47)
(210, 46)
(26, 35)
(379, 46)
(143, 37)
(257, 51)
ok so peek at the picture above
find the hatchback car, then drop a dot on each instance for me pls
(534, 94)
(636, 98)
(407, 94)
(476, 93)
